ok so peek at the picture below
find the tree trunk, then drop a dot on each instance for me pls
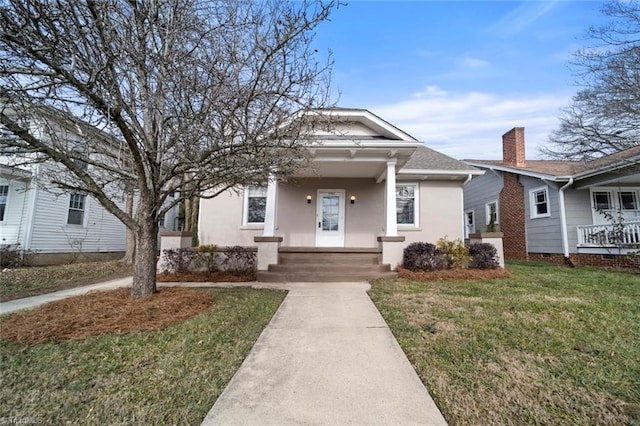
(144, 268)
(131, 241)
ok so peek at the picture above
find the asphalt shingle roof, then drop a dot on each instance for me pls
(427, 158)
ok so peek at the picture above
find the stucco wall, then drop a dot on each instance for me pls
(220, 221)
(441, 213)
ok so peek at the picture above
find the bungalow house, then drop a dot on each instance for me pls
(368, 190)
(551, 209)
(53, 225)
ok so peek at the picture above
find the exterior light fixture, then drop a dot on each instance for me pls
(353, 199)
(308, 199)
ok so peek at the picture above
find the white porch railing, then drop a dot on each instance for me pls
(600, 235)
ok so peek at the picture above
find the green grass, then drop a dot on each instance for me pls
(29, 281)
(551, 345)
(153, 378)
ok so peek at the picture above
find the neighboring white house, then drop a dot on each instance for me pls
(56, 226)
(549, 209)
(368, 187)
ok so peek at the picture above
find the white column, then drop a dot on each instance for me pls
(270, 208)
(391, 218)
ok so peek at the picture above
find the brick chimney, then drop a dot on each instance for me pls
(513, 147)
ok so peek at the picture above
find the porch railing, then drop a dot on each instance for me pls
(601, 235)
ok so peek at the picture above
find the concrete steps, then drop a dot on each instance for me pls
(314, 264)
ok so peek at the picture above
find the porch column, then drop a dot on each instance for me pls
(391, 219)
(270, 208)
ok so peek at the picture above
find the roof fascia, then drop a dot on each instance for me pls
(363, 116)
(542, 176)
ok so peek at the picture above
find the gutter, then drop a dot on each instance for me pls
(563, 223)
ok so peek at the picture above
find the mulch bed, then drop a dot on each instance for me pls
(103, 312)
(218, 276)
(454, 274)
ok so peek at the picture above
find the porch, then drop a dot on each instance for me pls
(605, 238)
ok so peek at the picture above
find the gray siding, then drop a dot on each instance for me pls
(543, 234)
(478, 192)
(578, 208)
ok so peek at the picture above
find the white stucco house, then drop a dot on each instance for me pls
(369, 189)
(53, 225)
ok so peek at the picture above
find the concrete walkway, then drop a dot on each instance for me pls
(326, 357)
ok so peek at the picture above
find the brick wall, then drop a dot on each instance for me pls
(513, 147)
(602, 260)
(512, 218)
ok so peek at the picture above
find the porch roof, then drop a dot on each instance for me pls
(9, 172)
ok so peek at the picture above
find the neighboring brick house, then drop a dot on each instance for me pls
(548, 209)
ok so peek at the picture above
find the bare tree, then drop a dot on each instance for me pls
(197, 95)
(604, 116)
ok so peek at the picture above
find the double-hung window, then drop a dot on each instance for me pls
(255, 205)
(77, 204)
(628, 200)
(539, 202)
(407, 204)
(491, 212)
(602, 200)
(4, 193)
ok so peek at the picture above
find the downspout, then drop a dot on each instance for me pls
(563, 223)
(464, 215)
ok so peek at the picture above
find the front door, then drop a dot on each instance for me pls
(330, 218)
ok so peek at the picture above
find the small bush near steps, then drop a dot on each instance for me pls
(448, 255)
(208, 263)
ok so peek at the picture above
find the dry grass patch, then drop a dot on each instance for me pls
(103, 312)
(549, 345)
(454, 274)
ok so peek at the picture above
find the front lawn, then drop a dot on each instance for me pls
(172, 376)
(550, 345)
(31, 281)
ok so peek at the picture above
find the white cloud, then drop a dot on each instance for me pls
(474, 62)
(470, 125)
(523, 16)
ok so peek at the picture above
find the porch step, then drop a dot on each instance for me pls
(314, 264)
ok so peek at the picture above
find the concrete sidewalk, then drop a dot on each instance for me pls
(326, 357)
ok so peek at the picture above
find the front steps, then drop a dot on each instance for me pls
(326, 264)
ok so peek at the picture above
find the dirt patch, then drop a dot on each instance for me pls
(454, 274)
(199, 277)
(104, 312)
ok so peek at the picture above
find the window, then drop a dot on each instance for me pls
(406, 202)
(602, 200)
(4, 193)
(255, 204)
(76, 209)
(539, 202)
(470, 223)
(491, 210)
(628, 200)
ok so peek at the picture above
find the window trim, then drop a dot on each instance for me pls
(635, 199)
(245, 207)
(533, 211)
(416, 206)
(487, 212)
(85, 210)
(466, 223)
(6, 202)
(612, 199)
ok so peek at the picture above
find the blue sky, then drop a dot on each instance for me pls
(459, 74)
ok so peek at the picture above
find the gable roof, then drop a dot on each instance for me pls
(428, 159)
(564, 170)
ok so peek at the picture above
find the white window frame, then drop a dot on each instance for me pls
(466, 223)
(635, 199)
(487, 212)
(245, 207)
(6, 202)
(533, 211)
(416, 205)
(85, 210)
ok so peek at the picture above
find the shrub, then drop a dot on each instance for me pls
(456, 254)
(207, 257)
(239, 260)
(177, 260)
(423, 257)
(483, 256)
